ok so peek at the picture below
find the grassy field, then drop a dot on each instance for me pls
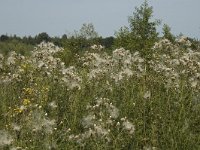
(103, 101)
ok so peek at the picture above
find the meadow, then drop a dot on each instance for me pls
(113, 101)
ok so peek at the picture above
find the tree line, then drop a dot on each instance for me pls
(140, 35)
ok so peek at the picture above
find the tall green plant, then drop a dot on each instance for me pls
(142, 32)
(167, 33)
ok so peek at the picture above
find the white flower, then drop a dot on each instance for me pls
(5, 138)
(39, 121)
(114, 112)
(16, 127)
(53, 104)
(194, 83)
(128, 72)
(88, 121)
(16, 148)
(11, 60)
(128, 126)
(94, 46)
(100, 130)
(147, 95)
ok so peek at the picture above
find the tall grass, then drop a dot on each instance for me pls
(117, 101)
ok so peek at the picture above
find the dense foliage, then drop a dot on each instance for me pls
(81, 92)
(142, 34)
(117, 101)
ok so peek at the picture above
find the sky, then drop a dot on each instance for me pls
(58, 17)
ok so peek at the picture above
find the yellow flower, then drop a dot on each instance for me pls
(24, 66)
(19, 110)
(26, 102)
(28, 91)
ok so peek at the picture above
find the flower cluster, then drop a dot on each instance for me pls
(42, 63)
(176, 62)
(97, 47)
(5, 139)
(101, 122)
(120, 65)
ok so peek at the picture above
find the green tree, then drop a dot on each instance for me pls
(123, 38)
(42, 37)
(88, 31)
(167, 33)
(107, 42)
(142, 34)
(4, 38)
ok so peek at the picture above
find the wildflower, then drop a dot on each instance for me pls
(28, 91)
(88, 121)
(120, 53)
(16, 148)
(5, 138)
(41, 64)
(26, 102)
(100, 131)
(71, 78)
(194, 83)
(147, 95)
(128, 126)
(71, 137)
(184, 40)
(20, 109)
(12, 58)
(114, 112)
(39, 121)
(16, 127)
(94, 46)
(118, 124)
(97, 47)
(53, 104)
